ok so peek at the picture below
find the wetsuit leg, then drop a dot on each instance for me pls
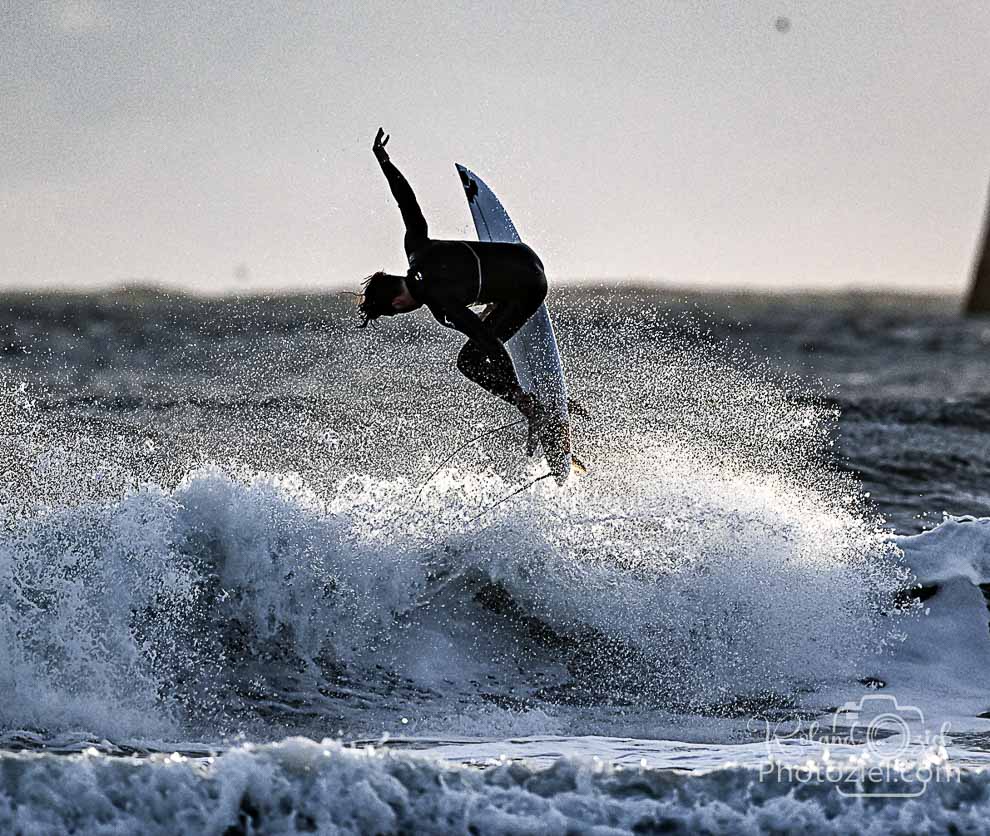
(474, 364)
(505, 319)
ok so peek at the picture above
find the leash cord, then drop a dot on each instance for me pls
(507, 498)
(444, 463)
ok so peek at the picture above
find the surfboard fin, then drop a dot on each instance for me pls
(578, 467)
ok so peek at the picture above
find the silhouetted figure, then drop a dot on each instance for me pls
(979, 292)
(447, 277)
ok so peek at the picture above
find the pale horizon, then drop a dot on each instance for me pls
(697, 147)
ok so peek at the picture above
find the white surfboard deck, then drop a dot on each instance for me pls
(533, 348)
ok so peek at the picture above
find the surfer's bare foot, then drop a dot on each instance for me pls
(526, 404)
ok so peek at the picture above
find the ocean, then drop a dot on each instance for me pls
(264, 572)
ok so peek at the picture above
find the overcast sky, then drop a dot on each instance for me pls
(220, 145)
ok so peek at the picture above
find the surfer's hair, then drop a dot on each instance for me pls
(379, 290)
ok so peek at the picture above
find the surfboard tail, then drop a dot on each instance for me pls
(555, 438)
(578, 467)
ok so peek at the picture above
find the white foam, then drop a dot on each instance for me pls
(943, 664)
(722, 583)
(302, 786)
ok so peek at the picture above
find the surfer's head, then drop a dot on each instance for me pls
(384, 294)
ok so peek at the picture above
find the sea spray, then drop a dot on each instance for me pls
(249, 586)
(714, 558)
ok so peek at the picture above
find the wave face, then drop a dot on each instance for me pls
(255, 567)
(303, 787)
(242, 595)
(152, 607)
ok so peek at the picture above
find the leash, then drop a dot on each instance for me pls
(444, 463)
(507, 498)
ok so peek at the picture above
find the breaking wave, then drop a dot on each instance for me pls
(241, 596)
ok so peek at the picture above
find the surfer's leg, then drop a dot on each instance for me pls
(508, 317)
(504, 319)
(473, 363)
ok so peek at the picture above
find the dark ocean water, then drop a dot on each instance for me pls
(906, 374)
(218, 533)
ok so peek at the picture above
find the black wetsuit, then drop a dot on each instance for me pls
(448, 276)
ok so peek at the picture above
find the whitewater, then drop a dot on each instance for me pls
(232, 601)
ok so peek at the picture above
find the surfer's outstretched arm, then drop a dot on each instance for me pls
(416, 228)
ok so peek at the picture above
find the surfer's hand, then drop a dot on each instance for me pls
(381, 140)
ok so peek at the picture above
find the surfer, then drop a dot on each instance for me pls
(449, 276)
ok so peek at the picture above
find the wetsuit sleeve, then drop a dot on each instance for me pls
(412, 215)
(471, 325)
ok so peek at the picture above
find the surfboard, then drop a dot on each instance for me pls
(533, 348)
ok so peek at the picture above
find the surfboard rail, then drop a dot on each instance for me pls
(533, 349)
